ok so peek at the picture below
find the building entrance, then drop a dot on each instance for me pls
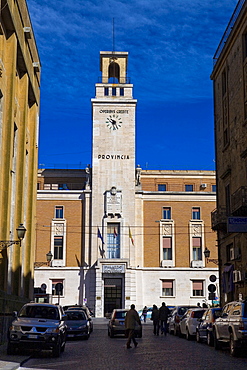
(112, 294)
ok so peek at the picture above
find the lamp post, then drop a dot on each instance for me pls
(21, 231)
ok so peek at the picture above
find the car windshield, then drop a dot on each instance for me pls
(120, 314)
(40, 312)
(75, 315)
(197, 314)
(182, 310)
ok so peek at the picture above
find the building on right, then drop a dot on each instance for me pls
(229, 219)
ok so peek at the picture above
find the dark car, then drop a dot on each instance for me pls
(83, 308)
(38, 326)
(116, 323)
(78, 324)
(204, 330)
(173, 321)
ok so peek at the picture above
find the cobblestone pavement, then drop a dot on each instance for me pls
(163, 352)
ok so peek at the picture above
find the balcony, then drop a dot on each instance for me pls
(219, 219)
(114, 80)
(239, 202)
(61, 186)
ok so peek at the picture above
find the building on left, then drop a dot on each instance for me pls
(19, 127)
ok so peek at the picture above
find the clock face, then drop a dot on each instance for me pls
(114, 122)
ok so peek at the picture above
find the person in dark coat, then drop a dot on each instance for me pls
(155, 318)
(131, 319)
(144, 313)
(163, 316)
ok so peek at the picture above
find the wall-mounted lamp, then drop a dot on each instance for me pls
(21, 231)
(207, 255)
(49, 256)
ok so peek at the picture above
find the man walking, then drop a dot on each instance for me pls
(163, 316)
(131, 319)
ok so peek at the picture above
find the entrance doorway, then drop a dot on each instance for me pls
(112, 295)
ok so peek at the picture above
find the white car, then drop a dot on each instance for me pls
(189, 322)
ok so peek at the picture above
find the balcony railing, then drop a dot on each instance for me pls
(219, 218)
(60, 186)
(228, 30)
(239, 202)
(114, 80)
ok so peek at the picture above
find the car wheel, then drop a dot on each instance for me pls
(188, 336)
(57, 349)
(198, 338)
(209, 339)
(234, 350)
(11, 349)
(216, 342)
(111, 334)
(170, 331)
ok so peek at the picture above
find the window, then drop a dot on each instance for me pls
(58, 247)
(167, 287)
(166, 213)
(113, 240)
(197, 248)
(196, 213)
(224, 83)
(161, 187)
(59, 212)
(121, 91)
(197, 287)
(114, 91)
(106, 91)
(188, 187)
(167, 248)
(57, 287)
(214, 188)
(228, 199)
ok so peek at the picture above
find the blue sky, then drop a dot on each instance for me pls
(171, 45)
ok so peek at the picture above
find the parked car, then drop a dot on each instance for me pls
(174, 319)
(38, 326)
(83, 308)
(188, 323)
(231, 327)
(78, 324)
(204, 330)
(116, 323)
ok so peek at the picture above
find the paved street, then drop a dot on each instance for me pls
(102, 352)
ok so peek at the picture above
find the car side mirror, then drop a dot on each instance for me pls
(15, 314)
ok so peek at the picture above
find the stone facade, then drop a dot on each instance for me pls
(230, 92)
(19, 123)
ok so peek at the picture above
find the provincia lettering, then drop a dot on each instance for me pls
(113, 156)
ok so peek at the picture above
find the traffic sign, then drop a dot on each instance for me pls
(211, 296)
(212, 278)
(211, 288)
(59, 288)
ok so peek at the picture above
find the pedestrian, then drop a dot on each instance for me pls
(144, 313)
(199, 304)
(155, 318)
(163, 316)
(131, 319)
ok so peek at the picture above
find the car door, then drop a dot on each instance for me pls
(183, 322)
(222, 323)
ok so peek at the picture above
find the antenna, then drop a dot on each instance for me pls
(113, 35)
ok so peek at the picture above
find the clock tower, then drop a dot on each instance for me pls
(113, 180)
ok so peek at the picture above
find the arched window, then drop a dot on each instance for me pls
(114, 72)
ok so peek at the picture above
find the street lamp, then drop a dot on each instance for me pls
(21, 231)
(49, 256)
(207, 255)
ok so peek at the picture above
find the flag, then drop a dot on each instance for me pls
(115, 233)
(130, 236)
(100, 236)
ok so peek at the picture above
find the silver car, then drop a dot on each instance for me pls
(231, 327)
(38, 326)
(116, 323)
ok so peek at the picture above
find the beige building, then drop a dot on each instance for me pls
(230, 92)
(19, 123)
(120, 235)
